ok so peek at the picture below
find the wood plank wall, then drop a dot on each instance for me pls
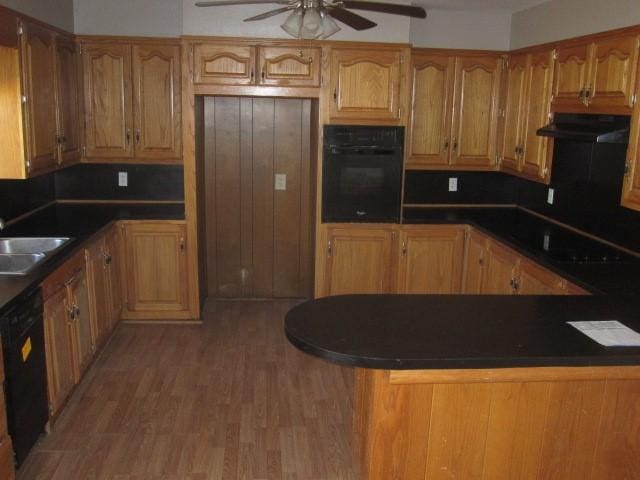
(258, 239)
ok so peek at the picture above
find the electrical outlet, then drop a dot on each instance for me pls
(281, 181)
(546, 242)
(453, 184)
(123, 179)
(550, 196)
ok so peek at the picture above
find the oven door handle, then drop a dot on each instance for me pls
(363, 151)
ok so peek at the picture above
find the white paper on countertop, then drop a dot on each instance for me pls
(610, 333)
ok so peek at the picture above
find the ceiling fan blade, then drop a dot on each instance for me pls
(354, 21)
(218, 3)
(408, 10)
(268, 14)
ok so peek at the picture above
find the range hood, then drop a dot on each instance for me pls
(588, 128)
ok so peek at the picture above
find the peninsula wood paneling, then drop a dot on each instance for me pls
(500, 428)
(258, 238)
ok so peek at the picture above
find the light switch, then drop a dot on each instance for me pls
(453, 184)
(281, 181)
(123, 179)
(550, 196)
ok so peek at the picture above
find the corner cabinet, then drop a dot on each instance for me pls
(366, 84)
(156, 281)
(132, 102)
(454, 111)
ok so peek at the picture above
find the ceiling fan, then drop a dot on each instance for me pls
(311, 19)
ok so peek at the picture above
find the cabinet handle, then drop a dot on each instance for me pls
(335, 95)
(404, 248)
(263, 74)
(77, 311)
(128, 136)
(71, 311)
(446, 144)
(107, 258)
(252, 75)
(182, 245)
(329, 249)
(138, 137)
(455, 145)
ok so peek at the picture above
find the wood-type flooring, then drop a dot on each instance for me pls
(229, 399)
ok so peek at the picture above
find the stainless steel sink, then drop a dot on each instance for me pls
(31, 244)
(19, 263)
(19, 255)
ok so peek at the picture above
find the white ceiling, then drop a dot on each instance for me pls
(506, 6)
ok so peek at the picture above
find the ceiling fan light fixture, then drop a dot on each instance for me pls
(293, 23)
(329, 26)
(311, 24)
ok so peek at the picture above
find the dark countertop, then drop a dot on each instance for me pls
(525, 233)
(480, 331)
(402, 332)
(79, 221)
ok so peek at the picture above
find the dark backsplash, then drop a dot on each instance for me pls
(91, 182)
(18, 197)
(100, 182)
(587, 191)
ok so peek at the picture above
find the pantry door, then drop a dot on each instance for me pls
(258, 201)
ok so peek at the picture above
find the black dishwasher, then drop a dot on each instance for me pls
(25, 384)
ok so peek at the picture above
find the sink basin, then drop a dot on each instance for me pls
(19, 263)
(31, 244)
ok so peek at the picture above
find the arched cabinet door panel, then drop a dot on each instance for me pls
(289, 66)
(220, 64)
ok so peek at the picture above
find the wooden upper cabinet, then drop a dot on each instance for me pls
(537, 150)
(431, 108)
(358, 260)
(69, 100)
(156, 80)
(289, 66)
(598, 76)
(431, 259)
(156, 274)
(475, 114)
(515, 112)
(108, 100)
(365, 84)
(222, 64)
(614, 67)
(39, 73)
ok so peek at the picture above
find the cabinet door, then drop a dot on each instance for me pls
(537, 154)
(572, 68)
(431, 259)
(69, 100)
(289, 67)
(83, 345)
(156, 80)
(39, 72)
(113, 261)
(365, 84)
(514, 112)
(501, 264)
(613, 72)
(474, 263)
(224, 64)
(108, 101)
(59, 351)
(535, 280)
(98, 290)
(156, 267)
(477, 87)
(359, 261)
(431, 107)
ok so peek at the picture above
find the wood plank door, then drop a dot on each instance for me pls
(358, 260)
(572, 74)
(537, 153)
(365, 84)
(39, 73)
(430, 123)
(157, 102)
(431, 259)
(108, 100)
(69, 100)
(477, 87)
(289, 66)
(514, 112)
(613, 72)
(259, 207)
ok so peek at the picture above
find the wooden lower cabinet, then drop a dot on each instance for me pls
(155, 271)
(68, 329)
(500, 267)
(430, 259)
(476, 250)
(100, 291)
(536, 280)
(114, 259)
(358, 260)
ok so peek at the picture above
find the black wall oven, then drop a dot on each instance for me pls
(362, 173)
